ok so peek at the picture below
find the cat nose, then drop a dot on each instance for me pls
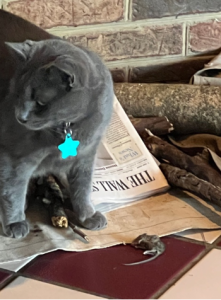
(22, 120)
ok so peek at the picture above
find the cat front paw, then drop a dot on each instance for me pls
(96, 222)
(17, 230)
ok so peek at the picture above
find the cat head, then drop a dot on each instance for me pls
(54, 83)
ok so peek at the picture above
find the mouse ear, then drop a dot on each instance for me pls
(20, 50)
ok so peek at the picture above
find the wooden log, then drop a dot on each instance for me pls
(50, 193)
(199, 167)
(56, 208)
(187, 181)
(190, 108)
(157, 125)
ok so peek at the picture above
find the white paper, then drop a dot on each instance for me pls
(125, 170)
(162, 215)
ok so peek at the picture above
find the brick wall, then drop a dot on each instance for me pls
(140, 40)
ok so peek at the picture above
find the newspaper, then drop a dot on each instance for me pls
(210, 74)
(174, 211)
(125, 171)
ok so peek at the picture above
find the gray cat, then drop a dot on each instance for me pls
(56, 84)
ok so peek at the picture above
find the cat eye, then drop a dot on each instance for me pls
(41, 103)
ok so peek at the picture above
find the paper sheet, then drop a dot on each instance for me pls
(164, 214)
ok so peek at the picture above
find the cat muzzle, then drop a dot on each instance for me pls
(22, 120)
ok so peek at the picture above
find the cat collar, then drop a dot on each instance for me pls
(69, 147)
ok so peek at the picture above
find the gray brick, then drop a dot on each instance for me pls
(147, 9)
(142, 42)
(51, 13)
(204, 37)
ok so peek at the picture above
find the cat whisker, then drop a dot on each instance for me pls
(55, 130)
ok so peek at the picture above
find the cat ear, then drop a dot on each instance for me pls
(64, 64)
(21, 50)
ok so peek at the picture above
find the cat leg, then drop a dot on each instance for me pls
(12, 205)
(17, 230)
(13, 211)
(80, 179)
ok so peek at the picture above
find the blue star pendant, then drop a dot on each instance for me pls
(69, 147)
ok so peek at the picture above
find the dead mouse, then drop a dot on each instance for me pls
(151, 244)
